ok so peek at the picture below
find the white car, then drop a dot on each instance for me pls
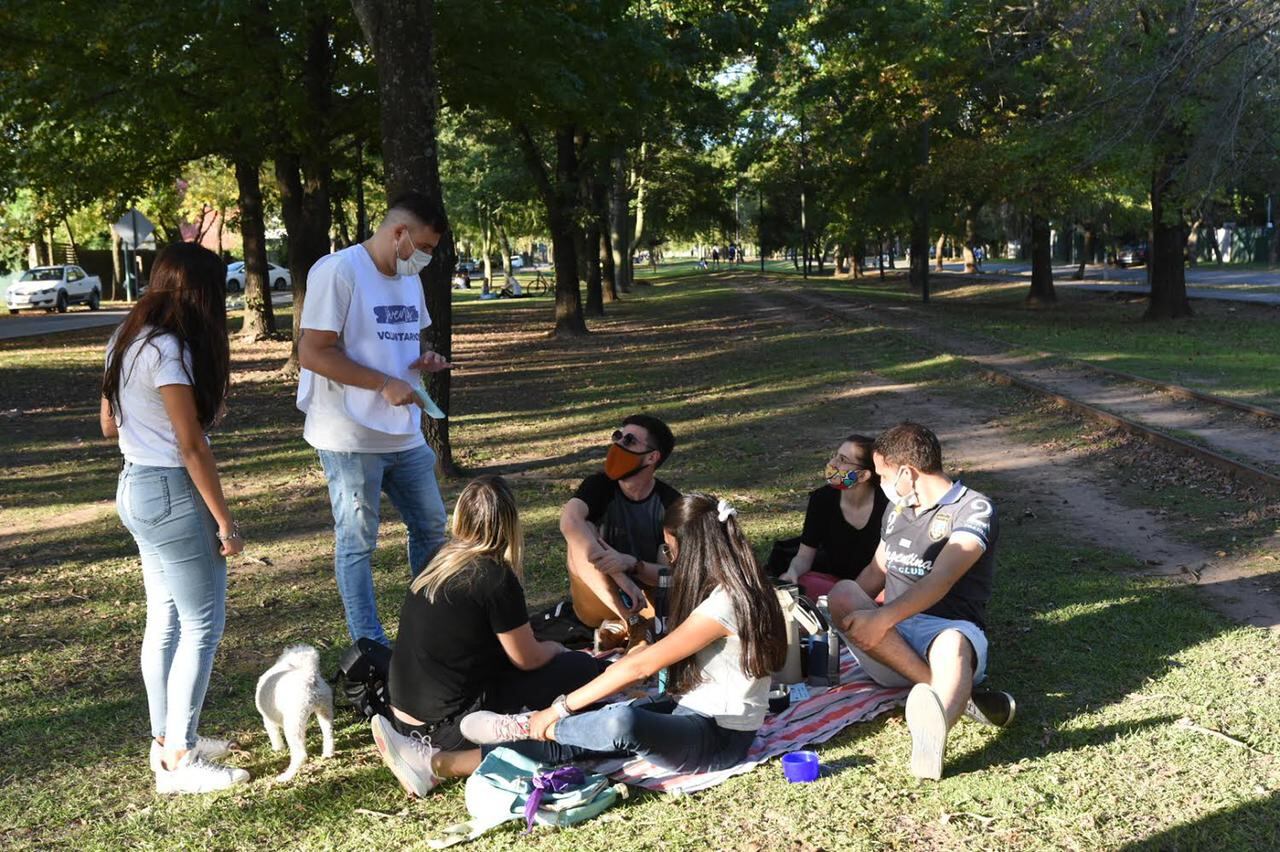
(278, 277)
(54, 288)
(517, 262)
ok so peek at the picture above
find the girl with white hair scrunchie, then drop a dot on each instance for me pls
(727, 638)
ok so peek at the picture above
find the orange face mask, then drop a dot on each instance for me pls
(621, 462)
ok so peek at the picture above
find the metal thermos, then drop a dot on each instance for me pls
(833, 643)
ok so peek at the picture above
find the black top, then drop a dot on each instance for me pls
(914, 540)
(633, 527)
(447, 651)
(844, 549)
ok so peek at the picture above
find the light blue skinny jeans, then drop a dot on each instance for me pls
(185, 578)
(356, 483)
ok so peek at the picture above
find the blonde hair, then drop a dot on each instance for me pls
(486, 525)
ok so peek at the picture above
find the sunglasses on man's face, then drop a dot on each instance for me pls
(629, 441)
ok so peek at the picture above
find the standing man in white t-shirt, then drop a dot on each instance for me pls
(362, 353)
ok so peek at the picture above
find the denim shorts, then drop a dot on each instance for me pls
(920, 630)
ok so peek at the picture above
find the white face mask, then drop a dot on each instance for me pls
(899, 501)
(414, 263)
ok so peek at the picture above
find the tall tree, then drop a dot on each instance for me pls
(400, 34)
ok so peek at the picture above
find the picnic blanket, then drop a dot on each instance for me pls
(827, 712)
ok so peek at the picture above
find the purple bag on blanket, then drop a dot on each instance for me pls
(557, 780)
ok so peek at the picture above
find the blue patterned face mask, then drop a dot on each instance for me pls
(842, 479)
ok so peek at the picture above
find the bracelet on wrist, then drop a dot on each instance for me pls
(235, 533)
(561, 706)
(385, 381)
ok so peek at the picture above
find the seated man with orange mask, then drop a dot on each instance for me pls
(613, 526)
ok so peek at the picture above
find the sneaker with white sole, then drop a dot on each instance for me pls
(990, 707)
(927, 721)
(206, 747)
(194, 774)
(486, 728)
(408, 758)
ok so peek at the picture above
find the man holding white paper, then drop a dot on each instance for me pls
(363, 354)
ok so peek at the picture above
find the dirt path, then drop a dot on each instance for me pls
(1239, 436)
(1063, 491)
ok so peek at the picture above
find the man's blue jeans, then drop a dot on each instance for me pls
(356, 484)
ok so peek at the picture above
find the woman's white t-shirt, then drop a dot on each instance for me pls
(735, 699)
(147, 436)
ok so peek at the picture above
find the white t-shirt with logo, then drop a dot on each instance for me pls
(341, 289)
(735, 699)
(146, 435)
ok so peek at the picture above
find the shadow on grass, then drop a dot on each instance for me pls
(1067, 645)
(1253, 825)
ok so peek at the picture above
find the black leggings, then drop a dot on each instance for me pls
(512, 692)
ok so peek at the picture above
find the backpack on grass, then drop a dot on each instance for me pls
(362, 678)
(509, 786)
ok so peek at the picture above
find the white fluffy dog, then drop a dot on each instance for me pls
(288, 693)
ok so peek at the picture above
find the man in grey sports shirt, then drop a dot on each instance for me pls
(935, 565)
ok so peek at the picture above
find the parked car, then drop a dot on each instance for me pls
(468, 266)
(54, 288)
(1134, 255)
(278, 276)
(517, 262)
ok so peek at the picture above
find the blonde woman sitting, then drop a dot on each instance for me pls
(465, 644)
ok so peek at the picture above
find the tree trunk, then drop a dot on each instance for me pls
(618, 220)
(1086, 253)
(638, 231)
(117, 265)
(970, 237)
(937, 251)
(1193, 243)
(305, 180)
(1042, 292)
(362, 211)
(608, 273)
(1164, 255)
(401, 37)
(559, 190)
(259, 318)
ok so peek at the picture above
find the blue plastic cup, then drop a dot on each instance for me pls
(801, 767)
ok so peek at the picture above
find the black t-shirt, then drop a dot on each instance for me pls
(629, 526)
(844, 550)
(447, 650)
(914, 539)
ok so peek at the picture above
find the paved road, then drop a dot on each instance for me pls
(38, 323)
(1222, 285)
(1196, 276)
(31, 325)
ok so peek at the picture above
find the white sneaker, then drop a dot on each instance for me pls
(927, 721)
(486, 728)
(408, 758)
(206, 747)
(194, 774)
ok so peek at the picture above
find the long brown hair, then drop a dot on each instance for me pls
(714, 553)
(486, 525)
(186, 298)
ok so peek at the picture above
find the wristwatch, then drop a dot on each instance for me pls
(561, 706)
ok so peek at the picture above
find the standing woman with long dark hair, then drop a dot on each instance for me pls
(166, 382)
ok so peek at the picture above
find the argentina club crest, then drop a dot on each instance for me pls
(940, 526)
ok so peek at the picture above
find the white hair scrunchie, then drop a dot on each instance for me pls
(724, 510)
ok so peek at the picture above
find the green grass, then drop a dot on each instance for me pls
(1104, 665)
(1225, 349)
